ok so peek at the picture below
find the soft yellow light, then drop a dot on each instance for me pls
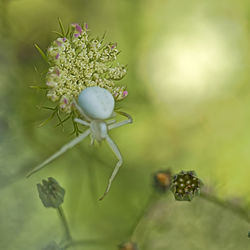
(193, 65)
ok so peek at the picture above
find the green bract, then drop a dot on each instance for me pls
(78, 61)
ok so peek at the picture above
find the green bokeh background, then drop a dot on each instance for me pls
(189, 95)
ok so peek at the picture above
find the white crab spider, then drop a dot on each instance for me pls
(96, 105)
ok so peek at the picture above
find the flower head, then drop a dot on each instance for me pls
(79, 61)
(186, 185)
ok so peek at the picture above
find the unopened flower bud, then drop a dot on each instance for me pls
(162, 180)
(51, 193)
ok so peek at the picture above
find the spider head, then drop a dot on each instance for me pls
(97, 103)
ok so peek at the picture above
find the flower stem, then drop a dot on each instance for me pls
(65, 223)
(241, 212)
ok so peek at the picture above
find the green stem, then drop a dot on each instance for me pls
(242, 213)
(65, 224)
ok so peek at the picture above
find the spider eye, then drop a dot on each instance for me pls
(97, 103)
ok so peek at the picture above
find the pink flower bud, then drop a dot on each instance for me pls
(124, 93)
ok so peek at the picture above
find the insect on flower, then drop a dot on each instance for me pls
(96, 105)
(83, 68)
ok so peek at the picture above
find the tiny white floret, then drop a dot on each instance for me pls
(97, 103)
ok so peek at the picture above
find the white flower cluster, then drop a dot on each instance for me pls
(78, 62)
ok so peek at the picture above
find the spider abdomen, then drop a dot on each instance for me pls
(97, 103)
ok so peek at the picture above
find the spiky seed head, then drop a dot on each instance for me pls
(185, 185)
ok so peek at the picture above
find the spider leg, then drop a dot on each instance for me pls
(111, 121)
(80, 121)
(92, 140)
(118, 164)
(81, 111)
(60, 151)
(119, 124)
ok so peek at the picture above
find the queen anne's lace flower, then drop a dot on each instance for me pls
(78, 61)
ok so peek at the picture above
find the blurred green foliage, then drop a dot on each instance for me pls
(189, 95)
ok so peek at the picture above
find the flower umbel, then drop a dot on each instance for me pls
(51, 193)
(186, 185)
(78, 61)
